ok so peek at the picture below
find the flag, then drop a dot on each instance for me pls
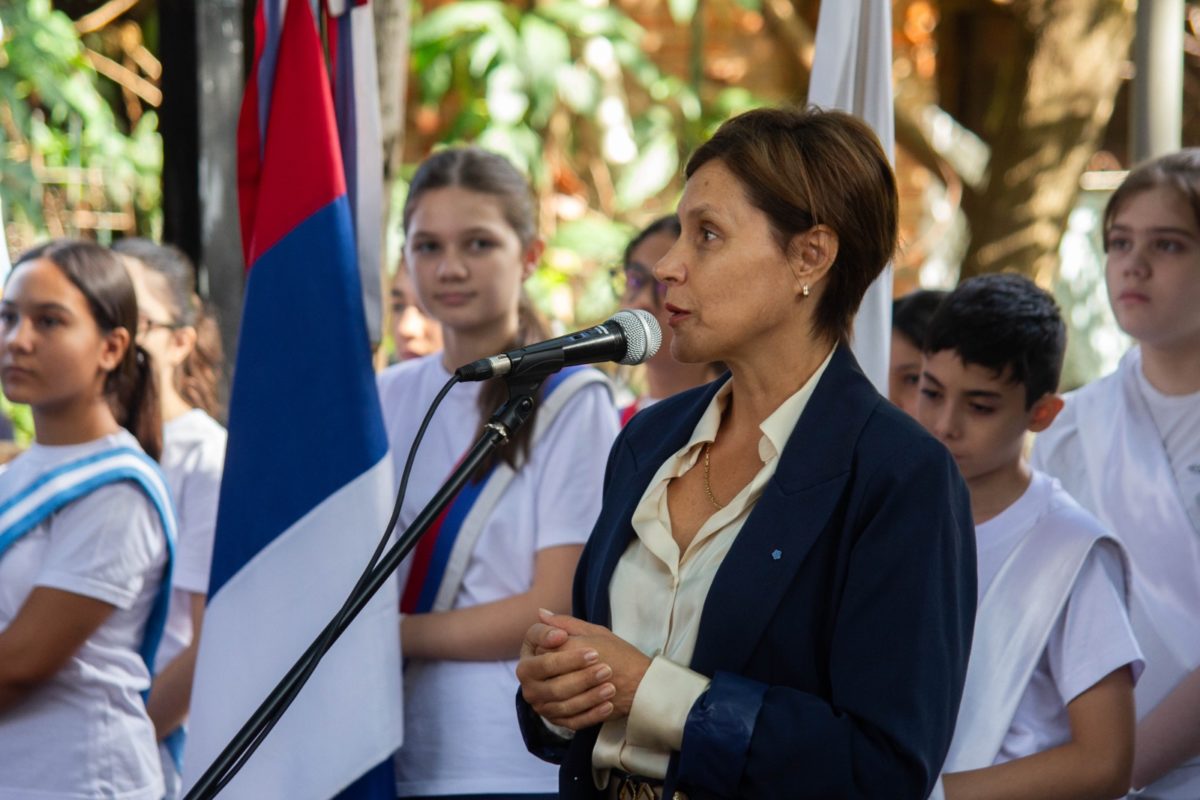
(356, 102)
(852, 72)
(307, 483)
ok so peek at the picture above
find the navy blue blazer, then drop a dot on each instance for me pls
(836, 631)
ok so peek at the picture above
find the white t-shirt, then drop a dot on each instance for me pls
(1177, 418)
(84, 733)
(192, 459)
(1092, 636)
(461, 726)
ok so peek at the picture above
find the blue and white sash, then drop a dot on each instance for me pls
(51, 491)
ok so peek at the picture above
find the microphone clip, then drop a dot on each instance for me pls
(523, 385)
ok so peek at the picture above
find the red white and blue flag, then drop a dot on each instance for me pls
(307, 483)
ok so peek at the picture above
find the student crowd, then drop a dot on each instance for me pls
(986, 622)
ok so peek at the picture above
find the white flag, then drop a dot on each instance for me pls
(852, 72)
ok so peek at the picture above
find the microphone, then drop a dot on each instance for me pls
(628, 337)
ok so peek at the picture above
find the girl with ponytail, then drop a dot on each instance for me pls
(185, 345)
(86, 533)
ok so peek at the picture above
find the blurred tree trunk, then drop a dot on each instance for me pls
(391, 51)
(1037, 81)
(391, 59)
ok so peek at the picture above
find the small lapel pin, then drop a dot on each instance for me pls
(776, 554)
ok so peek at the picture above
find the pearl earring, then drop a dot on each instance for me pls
(804, 290)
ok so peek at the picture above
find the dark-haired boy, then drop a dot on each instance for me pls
(910, 319)
(1047, 710)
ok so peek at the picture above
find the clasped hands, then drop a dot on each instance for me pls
(575, 674)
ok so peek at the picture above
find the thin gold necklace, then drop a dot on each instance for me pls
(708, 488)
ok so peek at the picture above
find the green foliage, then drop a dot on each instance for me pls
(22, 420)
(54, 115)
(566, 91)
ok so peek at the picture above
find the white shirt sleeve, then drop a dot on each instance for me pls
(1093, 636)
(197, 512)
(105, 545)
(570, 487)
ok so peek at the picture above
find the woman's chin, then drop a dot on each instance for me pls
(686, 352)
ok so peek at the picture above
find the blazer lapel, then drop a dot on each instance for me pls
(649, 445)
(792, 513)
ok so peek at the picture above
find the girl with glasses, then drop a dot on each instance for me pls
(664, 375)
(186, 348)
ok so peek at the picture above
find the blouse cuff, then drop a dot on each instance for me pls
(661, 705)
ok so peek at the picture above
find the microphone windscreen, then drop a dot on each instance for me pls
(643, 337)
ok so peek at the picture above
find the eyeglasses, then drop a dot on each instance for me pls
(631, 281)
(145, 325)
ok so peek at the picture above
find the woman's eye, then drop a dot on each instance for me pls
(708, 234)
(48, 322)
(1168, 246)
(480, 245)
(1117, 243)
(424, 248)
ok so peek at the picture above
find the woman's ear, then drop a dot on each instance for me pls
(812, 253)
(112, 348)
(532, 257)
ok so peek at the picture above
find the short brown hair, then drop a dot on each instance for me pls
(803, 167)
(1179, 171)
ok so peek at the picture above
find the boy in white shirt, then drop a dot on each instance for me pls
(1047, 710)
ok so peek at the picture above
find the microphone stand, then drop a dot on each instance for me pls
(523, 385)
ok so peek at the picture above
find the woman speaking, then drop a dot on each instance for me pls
(778, 596)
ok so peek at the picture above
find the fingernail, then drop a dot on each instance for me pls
(606, 709)
(591, 656)
(604, 673)
(545, 612)
(608, 691)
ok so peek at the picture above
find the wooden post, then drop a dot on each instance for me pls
(204, 56)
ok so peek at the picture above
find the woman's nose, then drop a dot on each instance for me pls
(669, 269)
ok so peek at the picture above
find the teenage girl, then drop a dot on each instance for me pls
(470, 242)
(85, 533)
(186, 349)
(1128, 448)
